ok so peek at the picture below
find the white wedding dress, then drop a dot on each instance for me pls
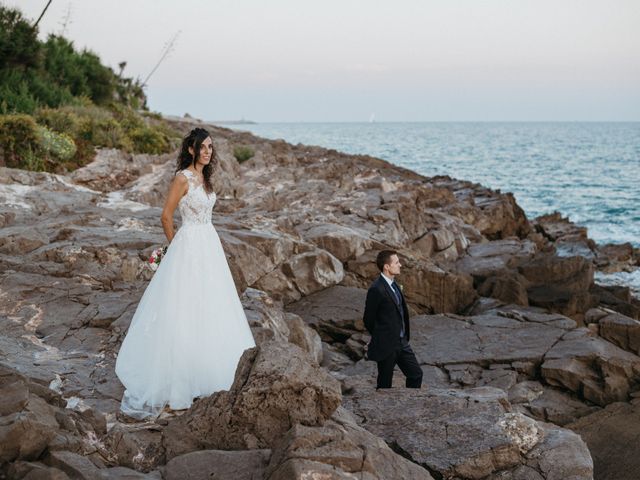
(189, 330)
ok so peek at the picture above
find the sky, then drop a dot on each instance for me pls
(349, 60)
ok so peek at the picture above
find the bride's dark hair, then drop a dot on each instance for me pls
(185, 159)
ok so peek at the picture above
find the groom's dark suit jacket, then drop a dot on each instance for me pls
(383, 320)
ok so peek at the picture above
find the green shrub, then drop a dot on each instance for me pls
(90, 123)
(18, 138)
(61, 120)
(16, 98)
(127, 117)
(85, 110)
(116, 127)
(25, 144)
(149, 140)
(174, 137)
(31, 160)
(58, 146)
(19, 46)
(106, 132)
(81, 72)
(153, 115)
(23, 92)
(85, 153)
(243, 153)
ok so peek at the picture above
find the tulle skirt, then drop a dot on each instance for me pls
(189, 330)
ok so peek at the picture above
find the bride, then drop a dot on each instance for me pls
(189, 330)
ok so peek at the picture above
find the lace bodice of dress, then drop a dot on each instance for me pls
(196, 205)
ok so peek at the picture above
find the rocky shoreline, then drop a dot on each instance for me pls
(531, 369)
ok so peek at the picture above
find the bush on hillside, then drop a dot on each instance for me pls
(22, 92)
(58, 104)
(243, 153)
(82, 73)
(25, 144)
(107, 133)
(18, 138)
(150, 140)
(19, 46)
(52, 73)
(116, 127)
(61, 120)
(55, 145)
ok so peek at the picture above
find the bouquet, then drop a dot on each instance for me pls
(156, 258)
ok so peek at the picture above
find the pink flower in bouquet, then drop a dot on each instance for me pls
(156, 258)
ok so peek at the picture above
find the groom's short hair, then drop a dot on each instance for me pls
(384, 258)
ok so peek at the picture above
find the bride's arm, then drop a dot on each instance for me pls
(178, 188)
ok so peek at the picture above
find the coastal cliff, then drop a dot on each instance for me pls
(531, 370)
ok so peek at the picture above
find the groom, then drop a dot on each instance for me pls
(386, 317)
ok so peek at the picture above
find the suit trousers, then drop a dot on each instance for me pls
(408, 363)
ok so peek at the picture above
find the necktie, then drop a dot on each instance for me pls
(396, 292)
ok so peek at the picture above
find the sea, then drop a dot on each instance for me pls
(587, 171)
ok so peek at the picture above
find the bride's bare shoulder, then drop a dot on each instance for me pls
(180, 182)
(182, 177)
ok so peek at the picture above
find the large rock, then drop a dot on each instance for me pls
(275, 387)
(495, 215)
(34, 471)
(139, 447)
(339, 449)
(146, 178)
(591, 367)
(561, 455)
(463, 434)
(436, 289)
(314, 271)
(335, 312)
(305, 337)
(618, 298)
(621, 330)
(612, 437)
(559, 283)
(208, 464)
(568, 238)
(484, 260)
(74, 465)
(26, 433)
(113, 169)
(344, 243)
(548, 404)
(265, 316)
(510, 336)
(492, 265)
(509, 287)
(33, 420)
(302, 274)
